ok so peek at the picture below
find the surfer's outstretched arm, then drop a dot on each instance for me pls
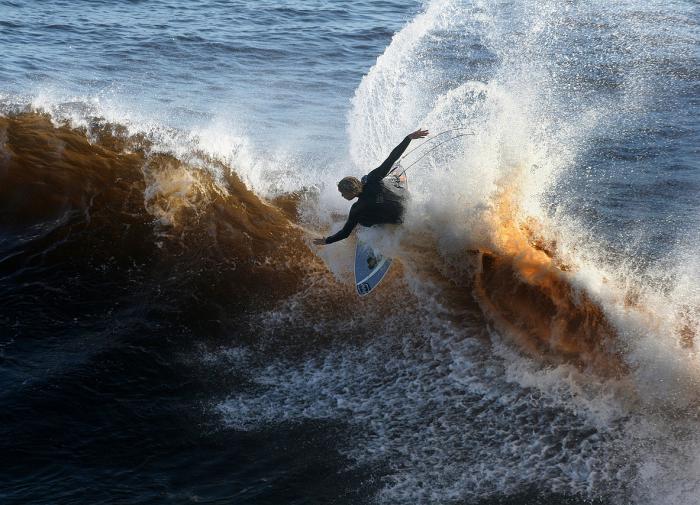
(382, 170)
(343, 233)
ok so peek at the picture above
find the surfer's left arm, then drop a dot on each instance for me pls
(342, 234)
(382, 170)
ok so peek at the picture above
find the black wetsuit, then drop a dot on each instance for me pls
(379, 202)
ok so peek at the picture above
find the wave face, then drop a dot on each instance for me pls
(170, 334)
(77, 201)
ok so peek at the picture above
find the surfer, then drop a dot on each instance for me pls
(377, 202)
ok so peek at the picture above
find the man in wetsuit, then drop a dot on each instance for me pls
(376, 203)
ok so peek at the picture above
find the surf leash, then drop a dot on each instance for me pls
(426, 141)
(397, 166)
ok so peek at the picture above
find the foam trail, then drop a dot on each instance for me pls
(441, 411)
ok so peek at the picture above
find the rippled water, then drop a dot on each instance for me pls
(281, 69)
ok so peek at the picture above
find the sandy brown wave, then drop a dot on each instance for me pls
(527, 290)
(102, 197)
(199, 237)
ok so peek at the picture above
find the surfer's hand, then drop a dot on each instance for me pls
(418, 134)
(319, 241)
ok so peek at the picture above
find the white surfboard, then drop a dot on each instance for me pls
(370, 268)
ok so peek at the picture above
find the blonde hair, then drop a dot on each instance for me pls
(350, 185)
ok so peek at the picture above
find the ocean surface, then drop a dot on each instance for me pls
(170, 334)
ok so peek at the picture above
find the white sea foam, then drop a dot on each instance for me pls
(441, 410)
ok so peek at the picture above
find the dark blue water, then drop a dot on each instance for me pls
(167, 336)
(281, 69)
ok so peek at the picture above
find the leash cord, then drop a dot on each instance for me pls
(431, 149)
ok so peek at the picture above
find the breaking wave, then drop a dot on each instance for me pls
(506, 351)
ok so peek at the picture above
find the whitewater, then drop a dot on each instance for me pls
(170, 333)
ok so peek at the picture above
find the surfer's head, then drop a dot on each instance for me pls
(350, 187)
